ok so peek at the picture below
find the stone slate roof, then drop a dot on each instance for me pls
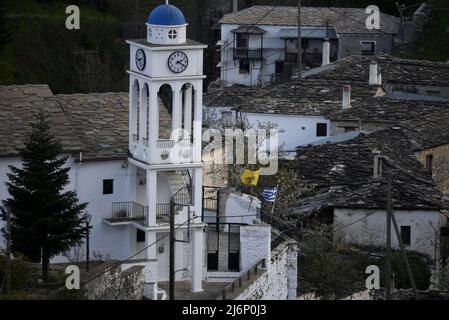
(343, 20)
(308, 98)
(95, 124)
(427, 122)
(19, 105)
(394, 70)
(342, 175)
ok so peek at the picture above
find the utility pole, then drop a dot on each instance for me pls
(172, 250)
(388, 255)
(299, 42)
(401, 12)
(8, 253)
(88, 220)
(404, 255)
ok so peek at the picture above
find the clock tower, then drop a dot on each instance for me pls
(165, 135)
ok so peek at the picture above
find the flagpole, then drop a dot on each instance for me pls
(275, 198)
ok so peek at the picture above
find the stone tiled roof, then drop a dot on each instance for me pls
(101, 122)
(394, 70)
(342, 174)
(343, 20)
(19, 105)
(96, 124)
(308, 98)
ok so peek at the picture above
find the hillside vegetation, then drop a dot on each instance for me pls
(35, 46)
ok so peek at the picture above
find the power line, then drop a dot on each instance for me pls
(120, 262)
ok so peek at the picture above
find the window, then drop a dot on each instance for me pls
(350, 129)
(405, 235)
(242, 40)
(108, 186)
(429, 163)
(244, 66)
(140, 236)
(368, 47)
(172, 34)
(279, 67)
(321, 129)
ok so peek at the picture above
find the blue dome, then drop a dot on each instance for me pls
(166, 15)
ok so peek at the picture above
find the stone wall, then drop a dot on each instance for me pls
(254, 245)
(109, 282)
(279, 281)
(440, 170)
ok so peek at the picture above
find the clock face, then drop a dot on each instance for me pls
(178, 62)
(141, 59)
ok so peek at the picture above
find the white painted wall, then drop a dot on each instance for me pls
(275, 283)
(424, 225)
(273, 51)
(255, 245)
(294, 130)
(87, 180)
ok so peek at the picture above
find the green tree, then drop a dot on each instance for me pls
(331, 275)
(45, 220)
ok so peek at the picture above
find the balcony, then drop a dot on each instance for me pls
(135, 212)
(247, 53)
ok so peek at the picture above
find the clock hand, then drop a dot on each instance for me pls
(182, 64)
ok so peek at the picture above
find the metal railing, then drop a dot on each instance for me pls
(132, 211)
(184, 196)
(128, 211)
(168, 144)
(246, 53)
(163, 212)
(283, 230)
(238, 283)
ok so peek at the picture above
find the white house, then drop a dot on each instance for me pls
(259, 45)
(135, 156)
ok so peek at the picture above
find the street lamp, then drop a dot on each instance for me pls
(88, 219)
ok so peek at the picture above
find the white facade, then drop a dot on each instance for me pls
(370, 229)
(274, 47)
(294, 130)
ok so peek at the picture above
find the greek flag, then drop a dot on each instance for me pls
(269, 194)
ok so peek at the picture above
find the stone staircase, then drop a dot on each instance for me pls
(177, 181)
(165, 121)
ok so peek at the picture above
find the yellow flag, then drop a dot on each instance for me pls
(250, 177)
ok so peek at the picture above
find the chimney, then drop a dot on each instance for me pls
(373, 74)
(346, 96)
(377, 169)
(235, 6)
(326, 52)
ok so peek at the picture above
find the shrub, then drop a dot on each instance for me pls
(20, 272)
(419, 264)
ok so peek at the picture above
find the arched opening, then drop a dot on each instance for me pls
(188, 107)
(135, 111)
(144, 109)
(165, 101)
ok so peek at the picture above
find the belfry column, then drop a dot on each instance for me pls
(154, 122)
(177, 111)
(197, 122)
(188, 112)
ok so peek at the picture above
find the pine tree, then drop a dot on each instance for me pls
(45, 220)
